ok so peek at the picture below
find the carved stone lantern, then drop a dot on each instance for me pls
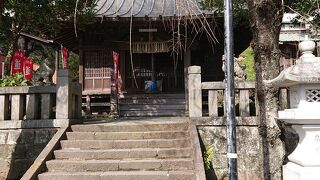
(303, 81)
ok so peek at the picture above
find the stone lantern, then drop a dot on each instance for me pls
(303, 81)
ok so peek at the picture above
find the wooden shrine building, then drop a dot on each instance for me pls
(157, 40)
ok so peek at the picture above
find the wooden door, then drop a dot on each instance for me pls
(98, 66)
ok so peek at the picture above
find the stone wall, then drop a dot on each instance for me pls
(250, 157)
(19, 148)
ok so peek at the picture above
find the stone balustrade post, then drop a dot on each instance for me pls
(4, 107)
(195, 91)
(32, 103)
(17, 102)
(64, 95)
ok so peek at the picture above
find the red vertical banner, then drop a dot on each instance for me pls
(17, 62)
(116, 69)
(65, 57)
(27, 68)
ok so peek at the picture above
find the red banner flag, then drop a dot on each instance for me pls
(17, 62)
(116, 69)
(65, 58)
(27, 68)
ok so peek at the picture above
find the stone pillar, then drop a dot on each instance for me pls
(17, 107)
(32, 106)
(194, 91)
(46, 106)
(88, 105)
(4, 107)
(78, 106)
(186, 63)
(64, 96)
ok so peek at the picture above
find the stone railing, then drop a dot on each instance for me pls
(244, 98)
(208, 98)
(62, 101)
(27, 103)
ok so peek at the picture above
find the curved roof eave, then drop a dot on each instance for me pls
(151, 9)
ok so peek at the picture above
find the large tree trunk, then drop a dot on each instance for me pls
(1, 11)
(12, 45)
(265, 19)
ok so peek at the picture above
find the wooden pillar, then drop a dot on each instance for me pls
(54, 78)
(187, 63)
(81, 61)
(152, 67)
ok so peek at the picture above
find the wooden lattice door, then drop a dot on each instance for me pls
(97, 71)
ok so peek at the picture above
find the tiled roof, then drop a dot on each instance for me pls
(148, 8)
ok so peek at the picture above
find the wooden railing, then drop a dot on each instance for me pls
(208, 98)
(62, 101)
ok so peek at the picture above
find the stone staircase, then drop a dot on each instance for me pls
(152, 105)
(130, 150)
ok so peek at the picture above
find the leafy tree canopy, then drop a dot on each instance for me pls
(308, 10)
(41, 17)
(240, 9)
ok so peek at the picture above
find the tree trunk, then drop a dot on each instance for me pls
(1, 11)
(265, 19)
(12, 45)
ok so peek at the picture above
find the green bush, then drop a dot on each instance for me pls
(17, 80)
(249, 64)
(207, 158)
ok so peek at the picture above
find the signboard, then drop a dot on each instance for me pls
(27, 68)
(116, 69)
(65, 58)
(17, 62)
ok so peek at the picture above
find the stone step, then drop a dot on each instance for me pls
(136, 153)
(151, 113)
(120, 175)
(154, 101)
(126, 135)
(161, 95)
(124, 144)
(120, 165)
(131, 127)
(151, 107)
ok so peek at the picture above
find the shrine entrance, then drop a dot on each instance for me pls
(161, 68)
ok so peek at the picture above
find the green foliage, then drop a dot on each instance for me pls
(239, 6)
(17, 80)
(208, 155)
(42, 17)
(39, 52)
(249, 64)
(74, 64)
(305, 10)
